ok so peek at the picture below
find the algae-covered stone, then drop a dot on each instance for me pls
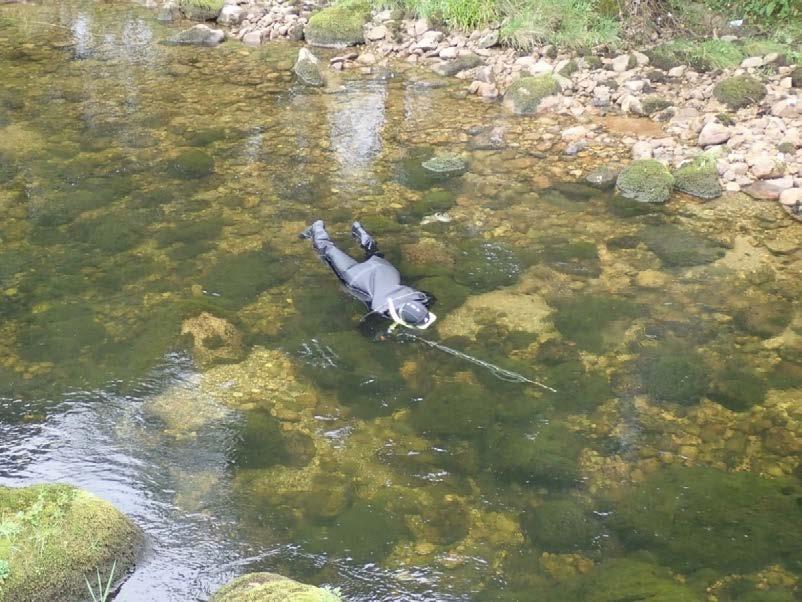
(654, 104)
(737, 388)
(699, 178)
(694, 518)
(454, 409)
(201, 10)
(524, 96)
(678, 247)
(547, 452)
(483, 266)
(631, 579)
(446, 164)
(765, 319)
(53, 536)
(740, 91)
(673, 372)
(562, 526)
(192, 164)
(646, 181)
(269, 587)
(603, 178)
(338, 26)
(584, 319)
(307, 68)
(236, 280)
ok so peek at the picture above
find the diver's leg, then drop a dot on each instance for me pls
(337, 259)
(365, 240)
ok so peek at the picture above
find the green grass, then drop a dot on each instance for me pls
(564, 23)
(459, 14)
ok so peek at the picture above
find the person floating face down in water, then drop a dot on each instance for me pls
(373, 281)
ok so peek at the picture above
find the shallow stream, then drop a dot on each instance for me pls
(143, 185)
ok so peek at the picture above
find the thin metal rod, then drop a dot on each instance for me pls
(499, 372)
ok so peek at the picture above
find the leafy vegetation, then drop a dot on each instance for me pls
(565, 23)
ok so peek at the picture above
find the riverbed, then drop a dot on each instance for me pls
(143, 185)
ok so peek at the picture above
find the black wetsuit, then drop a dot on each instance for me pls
(372, 281)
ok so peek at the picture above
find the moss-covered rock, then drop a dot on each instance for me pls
(739, 91)
(445, 164)
(201, 10)
(584, 319)
(654, 104)
(53, 536)
(699, 178)
(484, 266)
(576, 257)
(646, 181)
(269, 587)
(562, 526)
(338, 26)
(673, 372)
(236, 280)
(694, 518)
(523, 96)
(765, 319)
(631, 579)
(737, 388)
(545, 453)
(569, 69)
(678, 247)
(191, 164)
(454, 409)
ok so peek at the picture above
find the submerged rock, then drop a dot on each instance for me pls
(192, 164)
(699, 178)
(55, 535)
(201, 10)
(629, 579)
(307, 68)
(694, 518)
(483, 266)
(200, 35)
(269, 587)
(446, 164)
(677, 247)
(673, 372)
(338, 26)
(562, 526)
(214, 339)
(516, 312)
(457, 65)
(524, 96)
(740, 91)
(603, 178)
(646, 181)
(545, 453)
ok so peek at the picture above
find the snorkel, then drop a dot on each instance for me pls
(432, 318)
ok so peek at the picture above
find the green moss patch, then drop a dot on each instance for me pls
(545, 453)
(338, 26)
(52, 536)
(694, 518)
(484, 266)
(699, 178)
(645, 181)
(562, 526)
(740, 91)
(236, 280)
(673, 372)
(764, 320)
(269, 587)
(585, 319)
(701, 56)
(523, 96)
(61, 333)
(454, 409)
(654, 104)
(261, 443)
(738, 388)
(201, 10)
(191, 164)
(632, 579)
(677, 247)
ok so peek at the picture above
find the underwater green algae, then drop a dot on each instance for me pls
(563, 526)
(705, 518)
(673, 372)
(583, 318)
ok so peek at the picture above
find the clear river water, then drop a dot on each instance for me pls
(169, 344)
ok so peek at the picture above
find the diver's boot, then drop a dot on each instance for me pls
(364, 239)
(307, 233)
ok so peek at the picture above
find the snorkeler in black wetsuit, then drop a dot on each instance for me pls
(373, 281)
